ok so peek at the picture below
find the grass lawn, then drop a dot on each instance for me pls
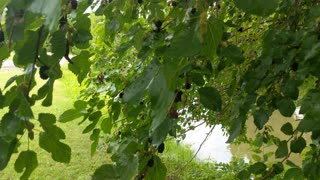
(82, 165)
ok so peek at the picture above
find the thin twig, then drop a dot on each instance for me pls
(202, 143)
(36, 57)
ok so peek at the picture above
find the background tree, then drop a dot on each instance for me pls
(159, 67)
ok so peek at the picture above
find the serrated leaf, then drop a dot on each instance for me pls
(49, 140)
(286, 107)
(210, 98)
(257, 7)
(26, 160)
(287, 129)
(50, 9)
(257, 168)
(282, 149)
(157, 171)
(297, 145)
(106, 171)
(7, 148)
(261, 117)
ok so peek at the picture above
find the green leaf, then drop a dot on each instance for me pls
(26, 49)
(278, 167)
(49, 140)
(58, 42)
(289, 89)
(10, 126)
(7, 148)
(4, 52)
(261, 117)
(282, 149)
(294, 174)
(184, 44)
(24, 110)
(95, 138)
(197, 78)
(243, 175)
(51, 9)
(257, 7)
(161, 98)
(134, 93)
(3, 4)
(232, 54)
(236, 128)
(311, 108)
(160, 133)
(257, 168)
(287, 129)
(106, 125)
(297, 145)
(212, 37)
(106, 171)
(286, 107)
(70, 115)
(26, 160)
(157, 171)
(210, 98)
(81, 65)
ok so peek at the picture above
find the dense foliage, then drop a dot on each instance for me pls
(156, 68)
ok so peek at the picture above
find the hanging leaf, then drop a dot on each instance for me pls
(210, 98)
(257, 7)
(261, 117)
(282, 149)
(106, 171)
(26, 160)
(297, 145)
(7, 149)
(286, 107)
(287, 129)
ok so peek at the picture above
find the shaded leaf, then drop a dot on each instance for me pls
(282, 149)
(297, 145)
(210, 98)
(257, 168)
(287, 129)
(261, 117)
(49, 140)
(286, 107)
(157, 171)
(7, 149)
(106, 171)
(294, 174)
(27, 161)
(257, 7)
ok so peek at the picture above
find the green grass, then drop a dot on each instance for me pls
(177, 157)
(82, 165)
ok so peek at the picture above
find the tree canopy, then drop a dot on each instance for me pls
(153, 69)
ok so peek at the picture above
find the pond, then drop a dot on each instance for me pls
(216, 148)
